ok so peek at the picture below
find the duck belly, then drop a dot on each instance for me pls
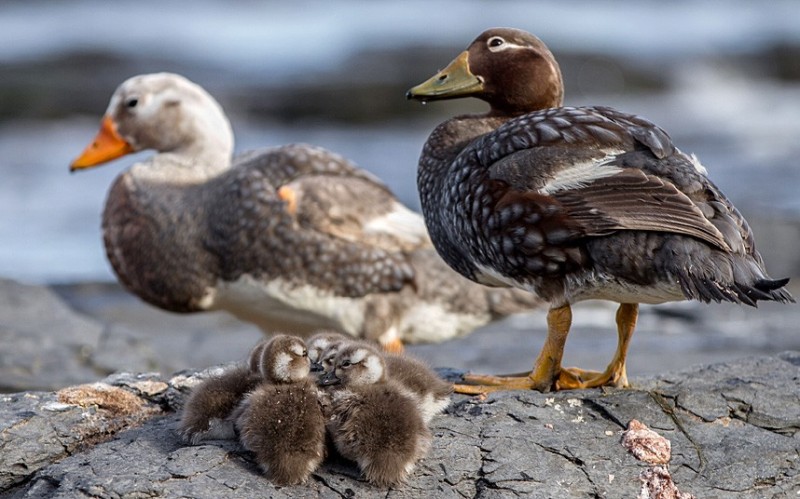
(607, 287)
(278, 305)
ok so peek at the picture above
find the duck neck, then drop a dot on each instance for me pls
(203, 151)
(439, 177)
(192, 163)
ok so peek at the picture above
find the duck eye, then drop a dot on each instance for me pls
(495, 41)
(305, 353)
(132, 102)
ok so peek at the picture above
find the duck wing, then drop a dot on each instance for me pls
(594, 168)
(303, 215)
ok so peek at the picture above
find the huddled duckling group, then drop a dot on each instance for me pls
(293, 396)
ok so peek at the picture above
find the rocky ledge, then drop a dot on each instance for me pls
(733, 430)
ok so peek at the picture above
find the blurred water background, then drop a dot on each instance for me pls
(722, 77)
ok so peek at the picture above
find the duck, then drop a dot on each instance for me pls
(373, 422)
(209, 409)
(430, 392)
(572, 204)
(292, 238)
(281, 421)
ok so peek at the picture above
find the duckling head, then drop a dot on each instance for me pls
(285, 360)
(356, 365)
(321, 345)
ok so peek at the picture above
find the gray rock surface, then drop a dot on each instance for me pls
(45, 343)
(734, 430)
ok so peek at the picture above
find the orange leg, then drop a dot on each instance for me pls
(546, 371)
(615, 374)
(394, 346)
(548, 374)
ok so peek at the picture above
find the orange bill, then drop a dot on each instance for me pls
(107, 145)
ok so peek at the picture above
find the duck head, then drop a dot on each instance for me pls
(160, 111)
(509, 68)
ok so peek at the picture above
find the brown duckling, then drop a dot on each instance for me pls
(374, 422)
(572, 204)
(430, 392)
(207, 412)
(281, 421)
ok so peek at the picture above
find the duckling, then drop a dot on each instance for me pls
(281, 421)
(572, 204)
(420, 382)
(208, 410)
(374, 422)
(430, 392)
(293, 237)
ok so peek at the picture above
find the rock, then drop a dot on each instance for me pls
(645, 444)
(734, 430)
(49, 342)
(46, 344)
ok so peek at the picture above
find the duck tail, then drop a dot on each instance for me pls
(761, 289)
(772, 290)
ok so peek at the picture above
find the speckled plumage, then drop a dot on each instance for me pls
(293, 238)
(574, 203)
(495, 216)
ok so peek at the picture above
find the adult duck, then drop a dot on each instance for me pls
(571, 204)
(292, 238)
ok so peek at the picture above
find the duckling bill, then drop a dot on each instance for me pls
(572, 204)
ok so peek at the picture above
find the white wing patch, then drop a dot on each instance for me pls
(697, 165)
(490, 277)
(581, 174)
(400, 222)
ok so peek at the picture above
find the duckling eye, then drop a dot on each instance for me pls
(132, 102)
(305, 353)
(495, 42)
(346, 364)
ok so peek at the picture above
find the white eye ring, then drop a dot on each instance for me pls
(496, 44)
